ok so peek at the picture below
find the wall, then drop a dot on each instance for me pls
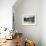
(6, 13)
(43, 22)
(31, 31)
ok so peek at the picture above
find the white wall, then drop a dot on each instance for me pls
(6, 13)
(30, 32)
(43, 22)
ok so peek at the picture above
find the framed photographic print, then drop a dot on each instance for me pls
(28, 19)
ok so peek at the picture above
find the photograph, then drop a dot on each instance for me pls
(28, 19)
